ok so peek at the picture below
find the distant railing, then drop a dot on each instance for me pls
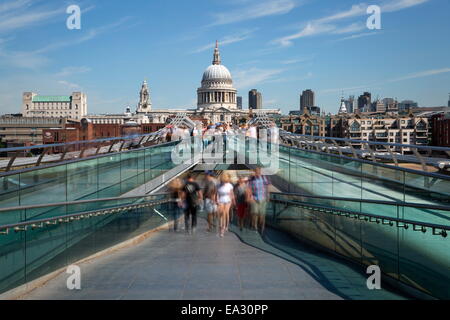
(59, 152)
(438, 157)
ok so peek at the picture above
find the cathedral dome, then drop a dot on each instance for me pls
(216, 72)
(216, 90)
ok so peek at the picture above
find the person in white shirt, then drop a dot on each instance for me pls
(252, 132)
(225, 193)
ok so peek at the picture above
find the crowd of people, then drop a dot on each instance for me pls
(244, 202)
(207, 133)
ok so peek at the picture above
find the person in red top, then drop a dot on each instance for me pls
(242, 195)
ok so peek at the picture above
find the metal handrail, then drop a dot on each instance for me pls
(445, 149)
(22, 226)
(50, 165)
(368, 217)
(384, 202)
(76, 142)
(75, 202)
(423, 172)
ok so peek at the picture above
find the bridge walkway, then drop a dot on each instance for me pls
(242, 265)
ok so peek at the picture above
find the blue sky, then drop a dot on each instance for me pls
(280, 47)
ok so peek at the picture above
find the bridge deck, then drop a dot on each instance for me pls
(241, 265)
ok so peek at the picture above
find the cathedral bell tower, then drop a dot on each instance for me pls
(145, 104)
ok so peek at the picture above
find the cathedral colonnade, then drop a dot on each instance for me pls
(216, 97)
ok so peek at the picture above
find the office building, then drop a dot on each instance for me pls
(365, 102)
(254, 99)
(239, 102)
(307, 99)
(72, 107)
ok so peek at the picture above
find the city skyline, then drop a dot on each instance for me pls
(280, 47)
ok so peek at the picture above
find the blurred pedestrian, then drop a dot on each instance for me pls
(192, 195)
(259, 186)
(243, 196)
(226, 201)
(210, 195)
(176, 194)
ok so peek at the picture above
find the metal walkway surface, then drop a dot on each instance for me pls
(203, 266)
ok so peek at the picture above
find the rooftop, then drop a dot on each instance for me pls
(52, 98)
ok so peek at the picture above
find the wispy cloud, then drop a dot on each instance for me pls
(253, 76)
(69, 71)
(254, 10)
(391, 6)
(69, 85)
(35, 59)
(228, 40)
(15, 15)
(359, 35)
(311, 29)
(355, 11)
(421, 74)
(91, 34)
(327, 24)
(354, 27)
(20, 59)
(13, 5)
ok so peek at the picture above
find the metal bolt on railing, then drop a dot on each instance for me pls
(419, 228)
(20, 229)
(442, 233)
(4, 231)
(37, 226)
(402, 225)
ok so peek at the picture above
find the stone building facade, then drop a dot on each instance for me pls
(72, 107)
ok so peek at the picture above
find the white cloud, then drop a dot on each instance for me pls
(355, 11)
(255, 10)
(354, 27)
(227, 40)
(11, 20)
(421, 74)
(91, 34)
(68, 71)
(253, 76)
(23, 60)
(326, 25)
(69, 85)
(397, 5)
(359, 35)
(12, 5)
(311, 29)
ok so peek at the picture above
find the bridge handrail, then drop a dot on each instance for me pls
(132, 137)
(101, 211)
(75, 202)
(351, 213)
(384, 202)
(434, 148)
